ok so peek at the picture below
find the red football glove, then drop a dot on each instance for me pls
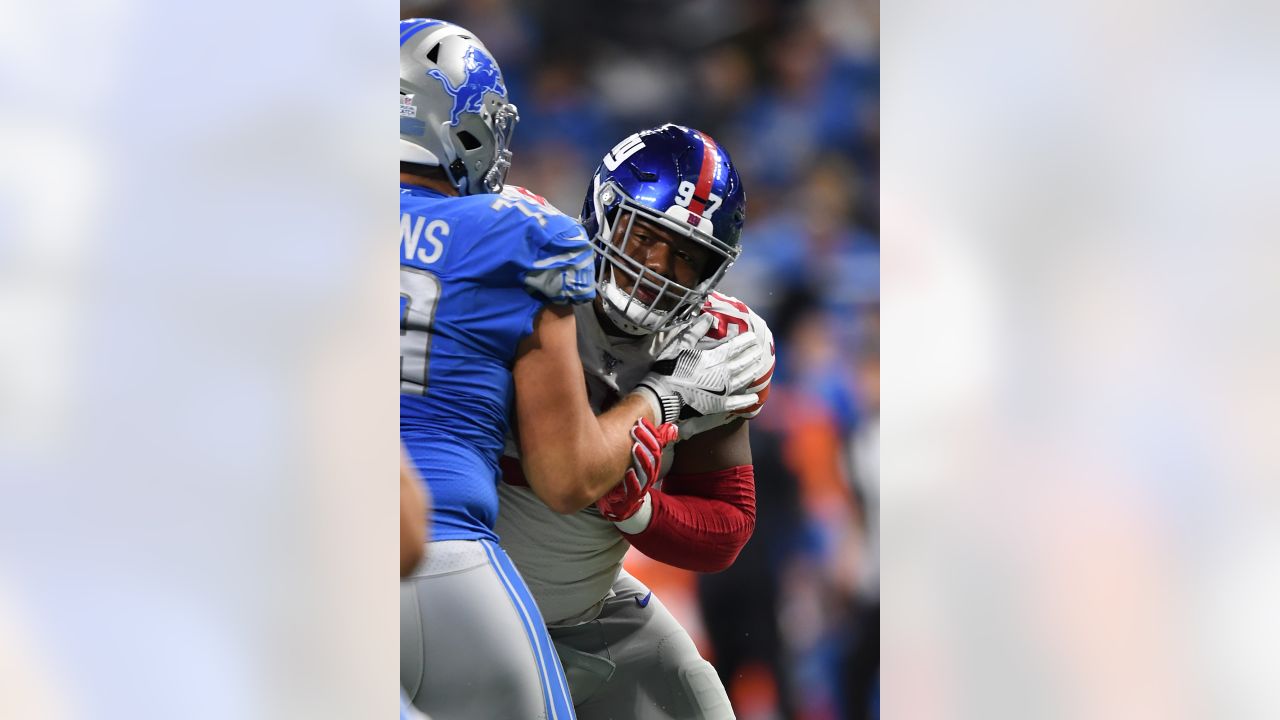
(646, 461)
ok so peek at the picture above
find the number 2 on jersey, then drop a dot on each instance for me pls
(419, 296)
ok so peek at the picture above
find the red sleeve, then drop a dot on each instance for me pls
(700, 522)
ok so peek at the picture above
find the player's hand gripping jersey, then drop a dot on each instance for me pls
(474, 271)
(570, 562)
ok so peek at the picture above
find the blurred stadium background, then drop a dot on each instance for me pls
(791, 90)
(1083, 520)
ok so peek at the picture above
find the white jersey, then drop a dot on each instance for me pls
(570, 562)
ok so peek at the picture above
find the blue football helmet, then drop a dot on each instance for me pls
(454, 111)
(683, 181)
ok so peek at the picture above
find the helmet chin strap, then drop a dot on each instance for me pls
(614, 302)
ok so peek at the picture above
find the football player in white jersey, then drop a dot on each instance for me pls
(665, 210)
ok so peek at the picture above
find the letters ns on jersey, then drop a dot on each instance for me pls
(414, 230)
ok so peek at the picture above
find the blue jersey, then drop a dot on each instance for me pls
(474, 271)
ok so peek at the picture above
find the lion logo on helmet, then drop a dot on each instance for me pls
(481, 76)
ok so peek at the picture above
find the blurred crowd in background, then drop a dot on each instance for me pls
(791, 91)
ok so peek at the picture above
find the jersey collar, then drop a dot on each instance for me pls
(420, 190)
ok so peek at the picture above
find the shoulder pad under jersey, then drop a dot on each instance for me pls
(562, 269)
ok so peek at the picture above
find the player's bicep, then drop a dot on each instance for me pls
(720, 448)
(548, 381)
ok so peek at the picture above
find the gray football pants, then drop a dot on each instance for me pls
(635, 662)
(472, 643)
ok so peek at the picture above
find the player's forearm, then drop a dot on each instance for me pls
(591, 458)
(700, 522)
(615, 442)
(697, 534)
(587, 457)
(571, 457)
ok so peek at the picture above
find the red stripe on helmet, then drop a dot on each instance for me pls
(706, 174)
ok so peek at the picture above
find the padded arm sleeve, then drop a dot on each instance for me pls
(700, 522)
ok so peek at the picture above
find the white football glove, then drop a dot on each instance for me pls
(708, 381)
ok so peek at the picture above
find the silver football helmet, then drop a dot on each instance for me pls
(454, 111)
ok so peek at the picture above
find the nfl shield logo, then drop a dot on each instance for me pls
(407, 108)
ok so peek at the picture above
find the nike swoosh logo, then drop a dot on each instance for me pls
(722, 391)
(644, 601)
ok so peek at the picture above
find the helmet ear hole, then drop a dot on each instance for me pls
(469, 141)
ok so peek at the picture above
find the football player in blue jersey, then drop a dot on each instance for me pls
(488, 282)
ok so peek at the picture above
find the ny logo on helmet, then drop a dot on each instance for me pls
(480, 76)
(623, 150)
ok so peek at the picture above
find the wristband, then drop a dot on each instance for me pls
(666, 408)
(638, 522)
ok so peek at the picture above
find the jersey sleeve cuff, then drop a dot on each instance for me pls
(666, 409)
(639, 522)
